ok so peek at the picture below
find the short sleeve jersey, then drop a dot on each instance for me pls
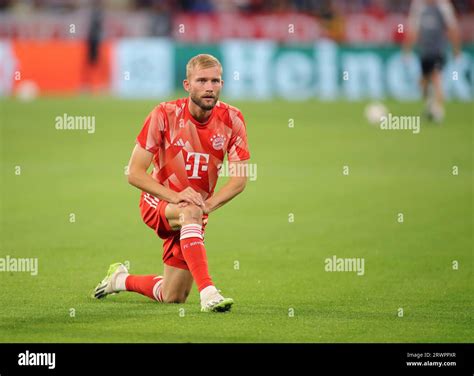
(187, 153)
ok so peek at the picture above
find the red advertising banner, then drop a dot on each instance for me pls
(211, 28)
(298, 27)
(60, 66)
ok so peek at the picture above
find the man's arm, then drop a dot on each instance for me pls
(413, 24)
(409, 41)
(453, 32)
(139, 163)
(455, 38)
(232, 188)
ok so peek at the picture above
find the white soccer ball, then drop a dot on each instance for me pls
(374, 112)
(27, 91)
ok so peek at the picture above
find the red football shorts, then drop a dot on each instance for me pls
(153, 214)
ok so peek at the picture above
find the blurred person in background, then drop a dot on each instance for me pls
(430, 24)
(93, 42)
(162, 17)
(331, 20)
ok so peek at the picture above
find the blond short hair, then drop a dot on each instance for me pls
(202, 61)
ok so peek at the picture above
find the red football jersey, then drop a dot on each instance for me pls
(188, 153)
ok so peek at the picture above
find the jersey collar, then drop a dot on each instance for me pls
(193, 120)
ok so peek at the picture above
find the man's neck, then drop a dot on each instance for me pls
(197, 112)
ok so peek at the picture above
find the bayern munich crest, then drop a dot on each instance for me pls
(218, 141)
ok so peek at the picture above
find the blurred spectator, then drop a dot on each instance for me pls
(4, 4)
(376, 7)
(199, 6)
(331, 20)
(93, 66)
(161, 18)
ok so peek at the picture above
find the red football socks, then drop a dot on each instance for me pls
(194, 253)
(148, 285)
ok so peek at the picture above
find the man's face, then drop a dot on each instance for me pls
(204, 87)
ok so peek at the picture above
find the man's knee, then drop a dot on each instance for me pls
(176, 297)
(191, 214)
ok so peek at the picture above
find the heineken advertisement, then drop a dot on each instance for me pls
(254, 69)
(261, 70)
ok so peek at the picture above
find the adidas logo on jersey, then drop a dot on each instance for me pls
(180, 142)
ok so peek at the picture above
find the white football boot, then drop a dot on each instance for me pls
(107, 285)
(215, 302)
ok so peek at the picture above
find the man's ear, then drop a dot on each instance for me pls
(186, 85)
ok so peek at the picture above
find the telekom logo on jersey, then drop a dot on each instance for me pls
(197, 162)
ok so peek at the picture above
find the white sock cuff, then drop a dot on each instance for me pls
(119, 283)
(157, 289)
(206, 291)
(191, 231)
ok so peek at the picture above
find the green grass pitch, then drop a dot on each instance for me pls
(281, 289)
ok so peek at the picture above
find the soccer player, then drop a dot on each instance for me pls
(429, 23)
(186, 140)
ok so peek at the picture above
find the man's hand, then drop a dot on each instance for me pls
(138, 177)
(206, 207)
(234, 186)
(188, 196)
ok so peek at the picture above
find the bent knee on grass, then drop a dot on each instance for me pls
(177, 284)
(175, 297)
